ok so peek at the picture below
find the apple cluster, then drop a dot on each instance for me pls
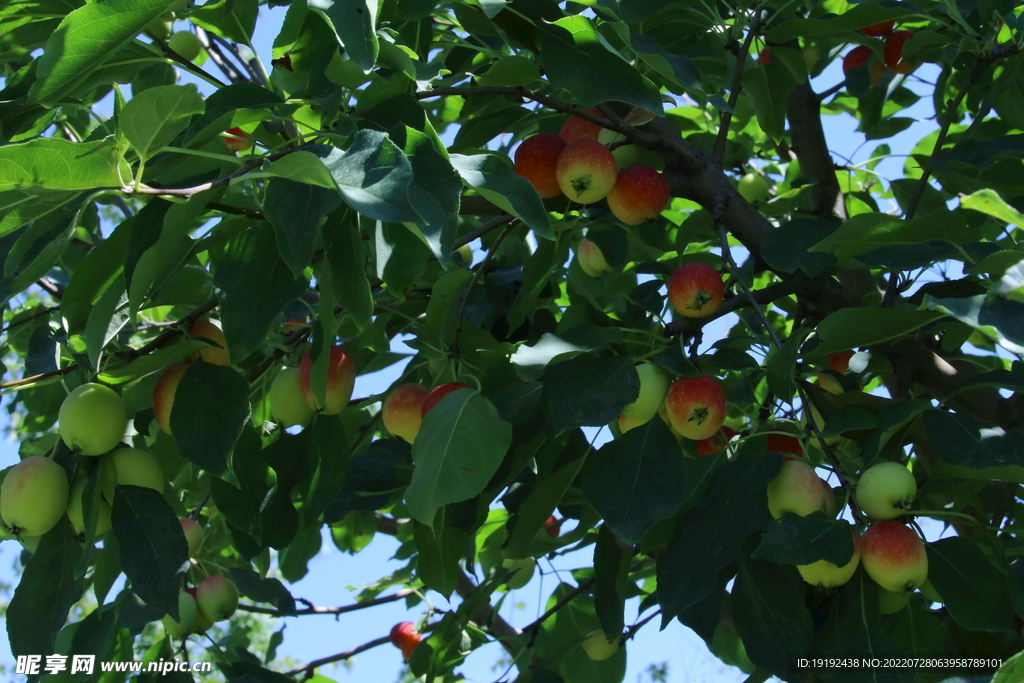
(578, 163)
(200, 607)
(407, 405)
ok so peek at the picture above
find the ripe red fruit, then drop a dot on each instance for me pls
(894, 556)
(894, 52)
(237, 145)
(840, 362)
(716, 442)
(765, 57)
(341, 377)
(879, 30)
(404, 637)
(576, 128)
(858, 57)
(552, 526)
(292, 324)
(639, 193)
(439, 392)
(403, 411)
(586, 171)
(783, 443)
(536, 160)
(696, 290)
(696, 406)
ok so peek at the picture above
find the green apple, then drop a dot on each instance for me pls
(928, 591)
(523, 572)
(890, 603)
(894, 556)
(796, 489)
(92, 419)
(188, 615)
(34, 496)
(885, 490)
(287, 404)
(30, 543)
(136, 467)
(654, 383)
(194, 535)
(822, 573)
(466, 254)
(217, 597)
(186, 44)
(627, 155)
(754, 188)
(598, 647)
(591, 259)
(161, 27)
(76, 510)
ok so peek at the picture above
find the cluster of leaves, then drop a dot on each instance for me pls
(382, 132)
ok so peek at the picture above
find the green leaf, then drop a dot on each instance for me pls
(354, 23)
(768, 607)
(869, 231)
(575, 57)
(510, 70)
(372, 478)
(328, 457)
(243, 503)
(852, 328)
(437, 563)
(55, 164)
(768, 87)
(232, 19)
(636, 480)
(208, 423)
(434, 193)
(154, 553)
(268, 590)
(996, 316)
(676, 68)
(85, 40)
(561, 635)
(803, 540)
(106, 319)
(233, 106)
(294, 559)
(989, 202)
(710, 535)
(975, 449)
(858, 16)
(611, 567)
(589, 392)
(495, 179)
(102, 266)
(154, 117)
(972, 588)
(373, 176)
(530, 361)
(38, 249)
(782, 366)
(18, 207)
(255, 287)
(295, 210)
(459, 447)
(46, 592)
(344, 250)
(303, 167)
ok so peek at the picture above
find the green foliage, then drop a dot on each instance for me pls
(382, 141)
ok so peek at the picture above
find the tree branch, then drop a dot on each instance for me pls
(737, 86)
(405, 592)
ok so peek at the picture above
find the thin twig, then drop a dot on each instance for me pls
(566, 599)
(340, 657)
(53, 290)
(496, 222)
(226, 67)
(38, 314)
(199, 508)
(313, 609)
(159, 42)
(254, 74)
(236, 210)
(479, 273)
(737, 85)
(639, 625)
(35, 378)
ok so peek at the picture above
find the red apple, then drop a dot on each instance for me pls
(840, 363)
(292, 324)
(894, 556)
(552, 526)
(765, 57)
(586, 171)
(536, 159)
(639, 193)
(403, 411)
(858, 57)
(439, 392)
(797, 489)
(341, 377)
(234, 143)
(403, 635)
(576, 128)
(163, 394)
(696, 406)
(210, 330)
(879, 30)
(716, 442)
(696, 290)
(894, 52)
(784, 443)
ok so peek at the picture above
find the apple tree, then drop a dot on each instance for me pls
(639, 313)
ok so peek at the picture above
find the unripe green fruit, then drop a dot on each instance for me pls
(34, 496)
(885, 490)
(194, 535)
(598, 647)
(30, 543)
(287, 404)
(928, 591)
(591, 259)
(92, 419)
(754, 188)
(890, 603)
(654, 385)
(188, 613)
(136, 467)
(217, 597)
(186, 44)
(523, 572)
(76, 510)
(466, 253)
(161, 28)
